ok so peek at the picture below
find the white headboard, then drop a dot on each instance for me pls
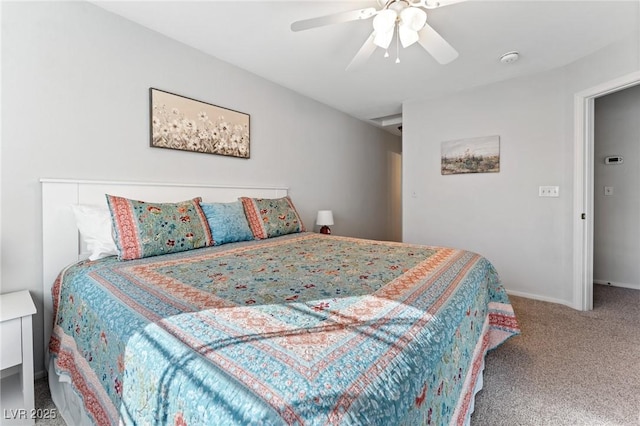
(60, 237)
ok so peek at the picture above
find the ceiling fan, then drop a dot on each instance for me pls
(407, 18)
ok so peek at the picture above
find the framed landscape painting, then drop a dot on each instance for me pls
(186, 124)
(475, 155)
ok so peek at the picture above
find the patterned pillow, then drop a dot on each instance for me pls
(271, 217)
(227, 222)
(144, 229)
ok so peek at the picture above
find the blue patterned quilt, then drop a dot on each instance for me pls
(301, 329)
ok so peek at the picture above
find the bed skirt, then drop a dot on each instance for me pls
(67, 401)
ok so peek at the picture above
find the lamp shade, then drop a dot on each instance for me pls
(324, 218)
(383, 25)
(412, 20)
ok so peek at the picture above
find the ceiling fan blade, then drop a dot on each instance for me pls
(363, 54)
(337, 18)
(433, 4)
(437, 46)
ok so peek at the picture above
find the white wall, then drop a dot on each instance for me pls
(75, 83)
(616, 237)
(529, 239)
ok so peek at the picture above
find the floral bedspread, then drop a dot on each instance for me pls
(301, 329)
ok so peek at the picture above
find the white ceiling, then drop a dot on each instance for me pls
(256, 36)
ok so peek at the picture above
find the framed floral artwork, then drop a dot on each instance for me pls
(187, 124)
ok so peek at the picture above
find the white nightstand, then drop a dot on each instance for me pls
(16, 355)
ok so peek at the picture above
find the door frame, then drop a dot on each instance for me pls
(583, 185)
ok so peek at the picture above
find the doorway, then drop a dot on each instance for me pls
(616, 199)
(583, 186)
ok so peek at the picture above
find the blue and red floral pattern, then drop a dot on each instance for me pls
(143, 229)
(300, 329)
(272, 217)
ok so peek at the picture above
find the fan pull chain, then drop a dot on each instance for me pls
(397, 45)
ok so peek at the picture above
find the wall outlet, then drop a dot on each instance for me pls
(548, 191)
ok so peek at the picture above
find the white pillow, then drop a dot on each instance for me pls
(94, 224)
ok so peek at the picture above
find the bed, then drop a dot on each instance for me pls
(300, 328)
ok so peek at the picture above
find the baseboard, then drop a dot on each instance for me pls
(617, 284)
(541, 298)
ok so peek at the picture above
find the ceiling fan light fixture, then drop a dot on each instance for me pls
(383, 39)
(407, 36)
(413, 18)
(407, 16)
(385, 20)
(383, 25)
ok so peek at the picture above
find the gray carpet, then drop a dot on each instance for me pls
(43, 400)
(566, 368)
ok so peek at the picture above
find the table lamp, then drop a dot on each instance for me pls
(324, 219)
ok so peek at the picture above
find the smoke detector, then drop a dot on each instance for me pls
(509, 57)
